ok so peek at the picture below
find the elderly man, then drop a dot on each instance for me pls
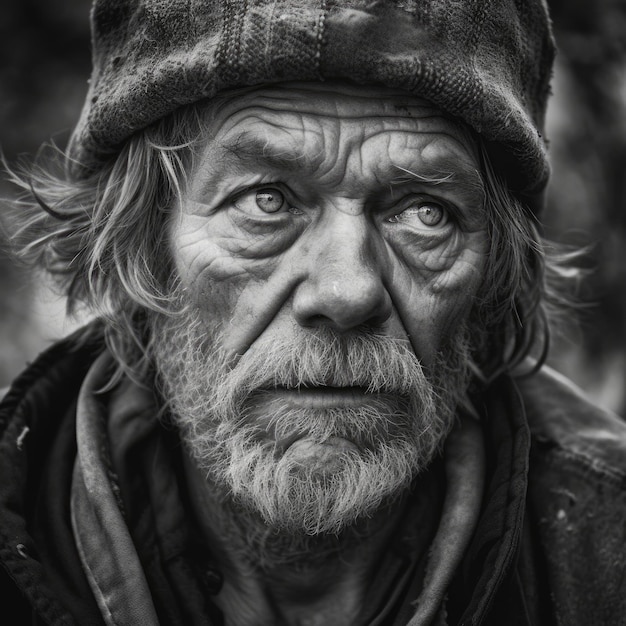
(314, 390)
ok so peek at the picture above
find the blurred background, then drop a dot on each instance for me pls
(44, 66)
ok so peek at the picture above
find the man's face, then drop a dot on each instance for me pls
(328, 247)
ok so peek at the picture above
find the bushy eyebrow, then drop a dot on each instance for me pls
(434, 178)
(470, 184)
(249, 149)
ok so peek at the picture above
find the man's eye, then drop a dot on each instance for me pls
(267, 199)
(429, 214)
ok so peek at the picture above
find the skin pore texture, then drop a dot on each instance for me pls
(317, 216)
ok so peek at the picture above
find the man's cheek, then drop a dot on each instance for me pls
(207, 253)
(217, 261)
(434, 295)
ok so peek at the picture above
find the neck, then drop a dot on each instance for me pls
(273, 578)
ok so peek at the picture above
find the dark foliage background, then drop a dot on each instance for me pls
(44, 65)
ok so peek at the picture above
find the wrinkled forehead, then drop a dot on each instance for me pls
(288, 123)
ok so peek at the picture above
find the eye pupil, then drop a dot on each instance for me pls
(430, 214)
(269, 200)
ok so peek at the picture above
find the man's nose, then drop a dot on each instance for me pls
(344, 286)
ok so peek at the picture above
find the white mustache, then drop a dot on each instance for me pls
(323, 358)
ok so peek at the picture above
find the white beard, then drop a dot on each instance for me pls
(216, 407)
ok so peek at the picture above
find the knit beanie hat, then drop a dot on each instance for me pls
(486, 62)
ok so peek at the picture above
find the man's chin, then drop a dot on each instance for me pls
(317, 520)
(316, 488)
(319, 458)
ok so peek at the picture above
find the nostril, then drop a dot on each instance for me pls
(317, 319)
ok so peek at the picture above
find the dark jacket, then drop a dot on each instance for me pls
(550, 546)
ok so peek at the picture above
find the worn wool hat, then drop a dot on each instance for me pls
(486, 62)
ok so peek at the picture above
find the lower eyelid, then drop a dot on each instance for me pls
(273, 225)
(415, 242)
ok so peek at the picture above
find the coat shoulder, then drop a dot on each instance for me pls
(577, 500)
(562, 417)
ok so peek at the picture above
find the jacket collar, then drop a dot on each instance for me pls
(490, 560)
